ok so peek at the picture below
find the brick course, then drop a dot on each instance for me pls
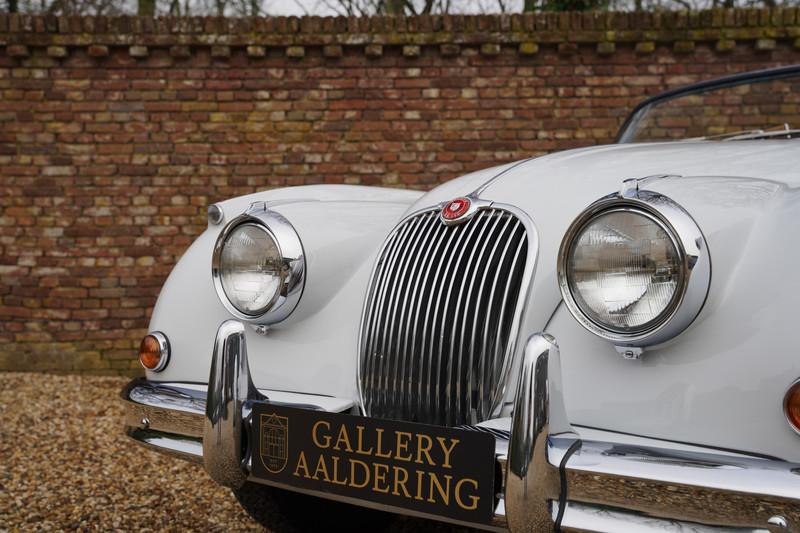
(116, 133)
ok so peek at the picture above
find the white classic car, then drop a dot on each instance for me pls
(594, 340)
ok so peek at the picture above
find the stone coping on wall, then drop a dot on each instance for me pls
(489, 33)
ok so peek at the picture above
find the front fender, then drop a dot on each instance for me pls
(315, 349)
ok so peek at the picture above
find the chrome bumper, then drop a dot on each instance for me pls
(553, 479)
(556, 480)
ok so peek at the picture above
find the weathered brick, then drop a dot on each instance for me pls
(605, 48)
(645, 47)
(57, 51)
(138, 51)
(765, 45)
(725, 45)
(373, 50)
(17, 50)
(566, 49)
(332, 50)
(411, 50)
(295, 52)
(181, 51)
(220, 51)
(683, 47)
(449, 50)
(528, 48)
(256, 51)
(490, 49)
(97, 50)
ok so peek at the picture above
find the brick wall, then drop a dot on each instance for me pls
(115, 134)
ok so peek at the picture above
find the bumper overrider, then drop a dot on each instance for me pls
(550, 478)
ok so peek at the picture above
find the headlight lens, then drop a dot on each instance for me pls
(251, 269)
(624, 270)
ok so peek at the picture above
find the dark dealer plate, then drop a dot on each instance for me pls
(436, 470)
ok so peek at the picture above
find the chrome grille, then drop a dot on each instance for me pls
(439, 319)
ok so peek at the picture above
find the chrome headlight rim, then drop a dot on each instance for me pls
(694, 258)
(293, 275)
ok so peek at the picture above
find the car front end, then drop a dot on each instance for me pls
(595, 340)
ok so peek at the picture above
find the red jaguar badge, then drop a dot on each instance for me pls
(455, 209)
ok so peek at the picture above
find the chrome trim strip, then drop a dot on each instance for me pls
(585, 518)
(168, 419)
(181, 399)
(482, 188)
(180, 447)
(229, 389)
(708, 488)
(164, 395)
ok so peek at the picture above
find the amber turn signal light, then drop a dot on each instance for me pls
(154, 351)
(791, 405)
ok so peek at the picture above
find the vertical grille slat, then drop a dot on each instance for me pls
(426, 352)
(424, 288)
(455, 362)
(494, 239)
(377, 311)
(387, 324)
(411, 266)
(486, 314)
(502, 324)
(438, 321)
(410, 307)
(441, 322)
(391, 307)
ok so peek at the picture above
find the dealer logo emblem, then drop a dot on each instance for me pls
(274, 442)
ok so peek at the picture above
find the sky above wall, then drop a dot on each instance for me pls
(333, 7)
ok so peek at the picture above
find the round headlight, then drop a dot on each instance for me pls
(624, 270)
(251, 269)
(634, 270)
(258, 266)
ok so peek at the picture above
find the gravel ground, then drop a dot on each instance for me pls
(65, 465)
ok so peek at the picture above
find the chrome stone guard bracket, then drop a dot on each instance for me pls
(230, 394)
(541, 438)
(554, 479)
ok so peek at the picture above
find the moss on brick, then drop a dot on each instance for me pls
(528, 48)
